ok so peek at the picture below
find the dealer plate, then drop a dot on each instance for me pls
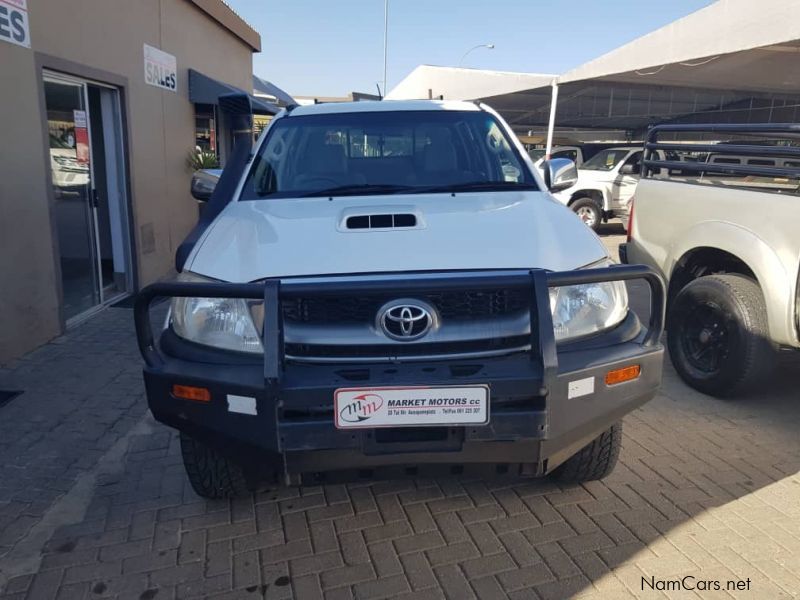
(411, 406)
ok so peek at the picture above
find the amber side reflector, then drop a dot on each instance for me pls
(188, 392)
(623, 374)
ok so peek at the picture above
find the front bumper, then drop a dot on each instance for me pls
(536, 422)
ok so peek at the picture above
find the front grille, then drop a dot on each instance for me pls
(460, 304)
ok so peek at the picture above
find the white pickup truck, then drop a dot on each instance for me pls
(724, 232)
(606, 183)
(388, 288)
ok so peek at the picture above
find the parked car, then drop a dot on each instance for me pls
(606, 183)
(725, 236)
(397, 306)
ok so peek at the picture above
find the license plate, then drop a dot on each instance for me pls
(356, 408)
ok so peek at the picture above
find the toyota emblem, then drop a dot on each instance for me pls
(406, 320)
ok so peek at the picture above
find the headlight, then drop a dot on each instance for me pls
(580, 310)
(219, 322)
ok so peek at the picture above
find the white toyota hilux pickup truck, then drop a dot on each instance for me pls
(389, 289)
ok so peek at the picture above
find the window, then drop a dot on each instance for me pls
(634, 159)
(605, 160)
(205, 128)
(380, 144)
(384, 152)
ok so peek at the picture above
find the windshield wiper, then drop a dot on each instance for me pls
(477, 186)
(359, 188)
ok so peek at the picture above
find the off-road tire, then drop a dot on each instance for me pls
(749, 353)
(588, 203)
(211, 474)
(595, 460)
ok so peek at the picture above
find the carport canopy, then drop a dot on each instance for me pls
(734, 61)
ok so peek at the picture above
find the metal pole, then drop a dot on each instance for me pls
(552, 123)
(385, 41)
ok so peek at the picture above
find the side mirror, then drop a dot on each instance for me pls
(560, 174)
(631, 169)
(204, 182)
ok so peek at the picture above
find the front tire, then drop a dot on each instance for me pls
(594, 461)
(211, 474)
(717, 334)
(588, 211)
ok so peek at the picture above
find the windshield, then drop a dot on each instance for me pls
(385, 152)
(605, 160)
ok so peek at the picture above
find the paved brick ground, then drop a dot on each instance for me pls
(94, 504)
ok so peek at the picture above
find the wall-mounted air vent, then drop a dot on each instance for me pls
(381, 221)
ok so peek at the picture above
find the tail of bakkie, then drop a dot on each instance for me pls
(721, 225)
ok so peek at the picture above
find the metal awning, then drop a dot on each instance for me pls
(262, 86)
(205, 90)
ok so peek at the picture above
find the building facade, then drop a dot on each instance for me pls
(103, 101)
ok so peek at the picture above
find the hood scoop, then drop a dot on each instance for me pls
(380, 221)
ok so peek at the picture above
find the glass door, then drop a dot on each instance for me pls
(70, 165)
(86, 162)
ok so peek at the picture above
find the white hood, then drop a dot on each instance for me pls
(252, 240)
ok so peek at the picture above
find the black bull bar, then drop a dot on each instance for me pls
(273, 291)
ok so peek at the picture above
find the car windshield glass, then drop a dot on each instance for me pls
(385, 152)
(605, 160)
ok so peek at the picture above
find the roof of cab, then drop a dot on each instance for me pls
(382, 106)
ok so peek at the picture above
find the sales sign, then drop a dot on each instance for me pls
(14, 22)
(160, 68)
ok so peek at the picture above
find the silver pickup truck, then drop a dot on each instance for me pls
(721, 225)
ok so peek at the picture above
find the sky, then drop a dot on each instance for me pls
(333, 47)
